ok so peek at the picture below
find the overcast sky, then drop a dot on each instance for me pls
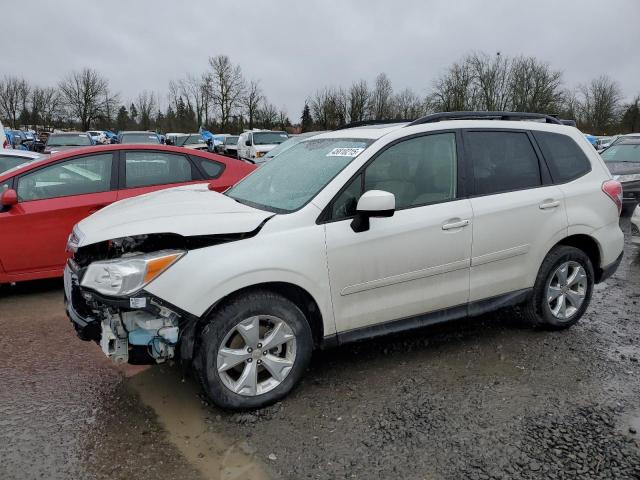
(296, 47)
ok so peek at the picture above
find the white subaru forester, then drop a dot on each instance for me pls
(350, 234)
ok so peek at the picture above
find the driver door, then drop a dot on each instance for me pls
(416, 261)
(51, 200)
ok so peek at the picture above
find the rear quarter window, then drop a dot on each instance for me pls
(565, 158)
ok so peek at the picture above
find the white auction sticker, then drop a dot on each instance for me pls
(345, 152)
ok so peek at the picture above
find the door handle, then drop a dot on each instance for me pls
(451, 226)
(548, 204)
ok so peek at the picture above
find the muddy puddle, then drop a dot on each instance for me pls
(187, 420)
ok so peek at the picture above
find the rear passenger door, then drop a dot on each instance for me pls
(144, 171)
(518, 214)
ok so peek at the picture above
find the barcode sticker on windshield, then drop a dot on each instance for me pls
(345, 152)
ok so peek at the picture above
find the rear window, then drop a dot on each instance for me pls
(502, 161)
(565, 158)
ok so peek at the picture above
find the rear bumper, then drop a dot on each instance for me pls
(609, 270)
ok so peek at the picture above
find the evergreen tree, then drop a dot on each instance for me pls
(306, 120)
(122, 119)
(133, 115)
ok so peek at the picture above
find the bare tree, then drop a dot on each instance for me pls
(145, 105)
(491, 76)
(358, 99)
(455, 90)
(381, 98)
(267, 116)
(85, 94)
(227, 86)
(535, 87)
(195, 94)
(13, 96)
(407, 105)
(329, 108)
(599, 104)
(50, 106)
(251, 101)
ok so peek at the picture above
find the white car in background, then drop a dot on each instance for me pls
(635, 226)
(4, 143)
(10, 158)
(193, 141)
(98, 136)
(254, 144)
(348, 235)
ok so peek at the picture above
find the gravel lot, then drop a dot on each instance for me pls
(482, 398)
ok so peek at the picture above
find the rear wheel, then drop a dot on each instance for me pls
(253, 351)
(562, 290)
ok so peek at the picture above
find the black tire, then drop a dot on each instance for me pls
(536, 310)
(223, 320)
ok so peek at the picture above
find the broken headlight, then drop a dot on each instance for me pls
(126, 275)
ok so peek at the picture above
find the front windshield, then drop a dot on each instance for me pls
(284, 146)
(621, 152)
(9, 162)
(269, 138)
(139, 138)
(231, 141)
(69, 140)
(294, 177)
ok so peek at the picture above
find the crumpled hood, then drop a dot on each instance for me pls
(188, 210)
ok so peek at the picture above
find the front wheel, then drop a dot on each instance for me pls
(562, 290)
(253, 351)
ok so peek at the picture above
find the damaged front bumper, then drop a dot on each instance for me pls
(127, 329)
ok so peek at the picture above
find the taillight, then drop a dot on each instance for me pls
(613, 189)
(5, 144)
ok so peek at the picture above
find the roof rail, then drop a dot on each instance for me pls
(363, 123)
(438, 117)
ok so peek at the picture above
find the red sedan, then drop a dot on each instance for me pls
(40, 202)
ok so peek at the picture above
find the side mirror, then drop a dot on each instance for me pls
(248, 143)
(373, 203)
(8, 198)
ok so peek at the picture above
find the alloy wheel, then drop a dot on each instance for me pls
(256, 355)
(567, 290)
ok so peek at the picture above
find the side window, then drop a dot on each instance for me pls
(344, 206)
(502, 161)
(211, 169)
(417, 171)
(90, 174)
(565, 158)
(146, 168)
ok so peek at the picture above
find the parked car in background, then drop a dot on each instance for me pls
(139, 138)
(229, 147)
(325, 244)
(19, 140)
(98, 137)
(621, 138)
(60, 142)
(190, 140)
(42, 201)
(4, 142)
(10, 158)
(635, 226)
(604, 142)
(623, 161)
(290, 142)
(254, 144)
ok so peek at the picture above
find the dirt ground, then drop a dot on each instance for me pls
(482, 398)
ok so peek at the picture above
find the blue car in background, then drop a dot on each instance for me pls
(592, 140)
